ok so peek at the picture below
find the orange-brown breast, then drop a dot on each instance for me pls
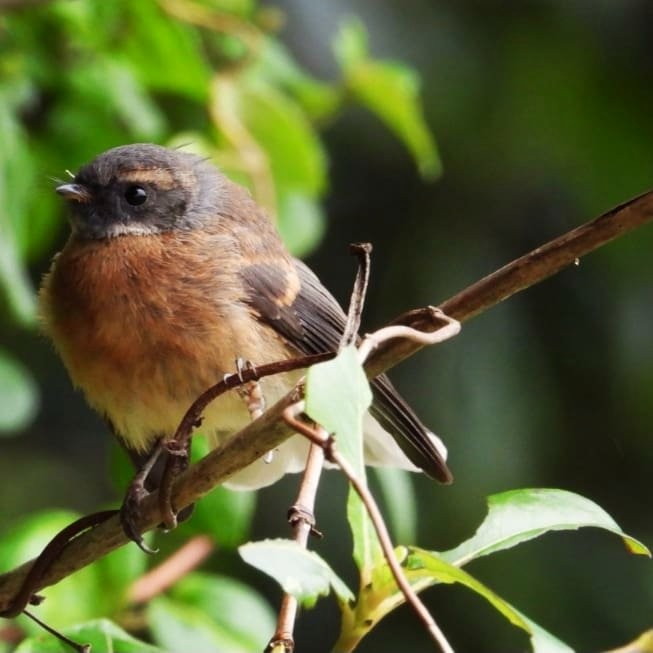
(144, 324)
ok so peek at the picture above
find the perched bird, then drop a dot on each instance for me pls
(170, 274)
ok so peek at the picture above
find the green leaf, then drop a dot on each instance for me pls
(301, 223)
(302, 573)
(167, 54)
(225, 514)
(391, 91)
(424, 566)
(18, 395)
(116, 572)
(103, 636)
(16, 184)
(521, 515)
(337, 397)
(423, 569)
(278, 126)
(275, 64)
(75, 599)
(244, 619)
(399, 496)
(351, 43)
(139, 113)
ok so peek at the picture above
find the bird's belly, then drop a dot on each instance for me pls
(143, 346)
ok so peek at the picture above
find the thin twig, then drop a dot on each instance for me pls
(301, 514)
(301, 518)
(357, 300)
(518, 275)
(374, 340)
(80, 648)
(333, 455)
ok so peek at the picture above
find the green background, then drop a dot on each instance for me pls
(542, 114)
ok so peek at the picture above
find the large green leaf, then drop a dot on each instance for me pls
(248, 107)
(302, 573)
(18, 395)
(71, 601)
(167, 53)
(16, 179)
(337, 397)
(103, 635)
(206, 612)
(320, 100)
(224, 514)
(423, 569)
(400, 502)
(521, 515)
(390, 90)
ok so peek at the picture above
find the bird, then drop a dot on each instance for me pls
(172, 272)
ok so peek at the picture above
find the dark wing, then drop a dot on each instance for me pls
(296, 304)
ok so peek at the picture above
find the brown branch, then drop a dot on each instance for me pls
(245, 447)
(303, 523)
(301, 514)
(541, 263)
(319, 437)
(269, 431)
(352, 327)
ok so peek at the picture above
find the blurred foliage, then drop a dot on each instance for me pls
(79, 77)
(543, 112)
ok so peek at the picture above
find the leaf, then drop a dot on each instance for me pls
(521, 515)
(337, 396)
(391, 91)
(302, 573)
(351, 43)
(241, 614)
(18, 395)
(399, 496)
(423, 569)
(168, 54)
(73, 600)
(103, 636)
(275, 64)
(225, 514)
(139, 113)
(643, 644)
(301, 223)
(278, 126)
(419, 561)
(16, 180)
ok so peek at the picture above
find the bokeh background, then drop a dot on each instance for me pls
(542, 116)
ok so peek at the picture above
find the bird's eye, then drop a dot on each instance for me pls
(135, 195)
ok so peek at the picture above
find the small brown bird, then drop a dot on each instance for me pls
(171, 273)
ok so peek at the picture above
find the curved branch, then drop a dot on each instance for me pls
(526, 271)
(269, 431)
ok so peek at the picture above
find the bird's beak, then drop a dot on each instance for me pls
(74, 192)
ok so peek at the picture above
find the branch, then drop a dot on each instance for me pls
(245, 447)
(540, 264)
(268, 431)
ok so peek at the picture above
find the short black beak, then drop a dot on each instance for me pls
(74, 192)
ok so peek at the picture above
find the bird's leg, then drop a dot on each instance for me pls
(250, 391)
(177, 462)
(136, 492)
(252, 394)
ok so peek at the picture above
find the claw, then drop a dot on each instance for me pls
(130, 513)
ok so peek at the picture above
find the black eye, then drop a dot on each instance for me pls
(135, 195)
